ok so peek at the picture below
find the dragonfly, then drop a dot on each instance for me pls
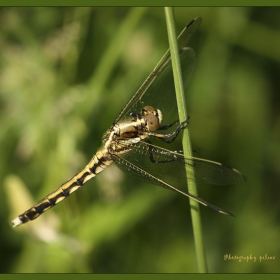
(128, 142)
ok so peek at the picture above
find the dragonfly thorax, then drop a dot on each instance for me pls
(153, 118)
(149, 120)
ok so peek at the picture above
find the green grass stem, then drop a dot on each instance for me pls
(179, 87)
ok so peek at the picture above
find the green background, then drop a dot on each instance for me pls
(65, 75)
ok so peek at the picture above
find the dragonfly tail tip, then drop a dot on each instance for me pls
(16, 222)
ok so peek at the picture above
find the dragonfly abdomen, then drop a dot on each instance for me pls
(97, 164)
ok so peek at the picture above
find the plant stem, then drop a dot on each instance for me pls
(179, 87)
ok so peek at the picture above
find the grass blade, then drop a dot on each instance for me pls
(195, 213)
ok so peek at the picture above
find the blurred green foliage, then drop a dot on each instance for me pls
(65, 75)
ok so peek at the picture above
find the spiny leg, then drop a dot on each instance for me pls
(164, 127)
(174, 134)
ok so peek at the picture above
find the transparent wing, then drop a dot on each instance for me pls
(170, 166)
(167, 169)
(158, 89)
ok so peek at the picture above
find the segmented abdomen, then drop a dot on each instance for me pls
(99, 162)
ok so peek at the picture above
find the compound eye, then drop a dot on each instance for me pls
(152, 122)
(147, 110)
(153, 117)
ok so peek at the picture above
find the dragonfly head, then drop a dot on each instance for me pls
(153, 117)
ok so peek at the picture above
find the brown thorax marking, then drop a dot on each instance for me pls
(124, 135)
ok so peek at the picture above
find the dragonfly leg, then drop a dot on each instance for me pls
(174, 134)
(164, 127)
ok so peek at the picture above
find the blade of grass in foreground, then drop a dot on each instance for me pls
(195, 214)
